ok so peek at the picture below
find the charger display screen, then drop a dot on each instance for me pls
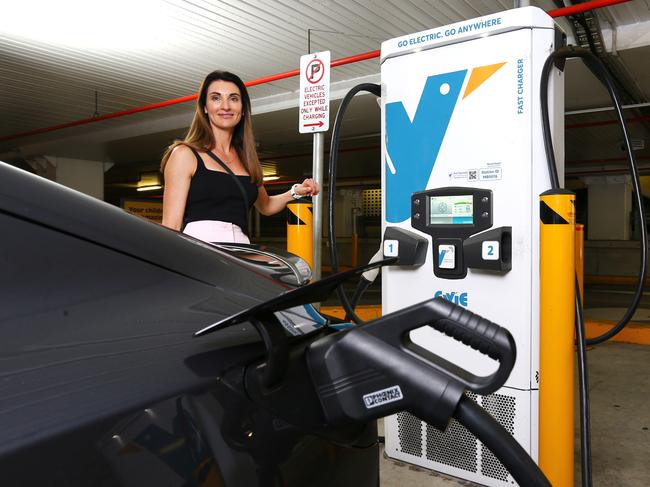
(451, 210)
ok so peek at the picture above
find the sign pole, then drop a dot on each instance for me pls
(317, 229)
(314, 118)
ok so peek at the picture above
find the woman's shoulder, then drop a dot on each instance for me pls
(183, 151)
(182, 158)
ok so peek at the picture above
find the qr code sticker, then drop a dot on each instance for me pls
(472, 175)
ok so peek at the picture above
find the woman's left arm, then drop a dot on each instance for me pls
(270, 205)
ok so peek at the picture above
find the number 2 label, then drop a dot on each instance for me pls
(490, 250)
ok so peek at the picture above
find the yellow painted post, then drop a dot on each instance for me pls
(580, 259)
(299, 230)
(556, 359)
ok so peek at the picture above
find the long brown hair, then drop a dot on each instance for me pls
(200, 136)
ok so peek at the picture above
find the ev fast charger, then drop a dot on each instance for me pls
(463, 163)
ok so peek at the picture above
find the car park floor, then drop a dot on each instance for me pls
(619, 388)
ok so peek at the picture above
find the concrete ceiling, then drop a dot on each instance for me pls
(63, 61)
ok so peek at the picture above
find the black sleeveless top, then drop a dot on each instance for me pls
(214, 195)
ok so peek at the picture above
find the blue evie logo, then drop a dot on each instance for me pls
(454, 297)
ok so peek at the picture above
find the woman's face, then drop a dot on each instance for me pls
(223, 104)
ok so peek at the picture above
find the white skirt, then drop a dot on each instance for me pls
(216, 231)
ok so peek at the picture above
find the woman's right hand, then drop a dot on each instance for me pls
(308, 187)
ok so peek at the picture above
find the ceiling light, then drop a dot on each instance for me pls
(271, 178)
(151, 187)
(149, 181)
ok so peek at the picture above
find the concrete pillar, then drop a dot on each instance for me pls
(82, 175)
(609, 207)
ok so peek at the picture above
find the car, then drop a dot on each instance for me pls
(101, 380)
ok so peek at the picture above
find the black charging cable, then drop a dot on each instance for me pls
(362, 287)
(488, 431)
(331, 193)
(596, 66)
(583, 386)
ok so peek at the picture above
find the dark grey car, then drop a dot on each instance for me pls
(101, 380)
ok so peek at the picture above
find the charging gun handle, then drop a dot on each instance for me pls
(462, 325)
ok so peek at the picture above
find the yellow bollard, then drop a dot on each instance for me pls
(580, 260)
(299, 230)
(556, 330)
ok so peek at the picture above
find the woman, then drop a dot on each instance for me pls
(213, 176)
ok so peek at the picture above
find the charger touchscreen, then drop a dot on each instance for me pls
(451, 210)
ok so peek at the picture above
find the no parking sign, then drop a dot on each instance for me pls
(314, 114)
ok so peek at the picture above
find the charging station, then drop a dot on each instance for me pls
(463, 167)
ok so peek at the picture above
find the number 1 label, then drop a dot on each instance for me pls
(391, 248)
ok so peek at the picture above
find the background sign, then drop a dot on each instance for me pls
(314, 115)
(151, 210)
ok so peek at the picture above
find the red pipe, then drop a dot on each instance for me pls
(295, 72)
(273, 77)
(353, 59)
(583, 7)
(287, 74)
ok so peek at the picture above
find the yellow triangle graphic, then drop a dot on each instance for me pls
(479, 75)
